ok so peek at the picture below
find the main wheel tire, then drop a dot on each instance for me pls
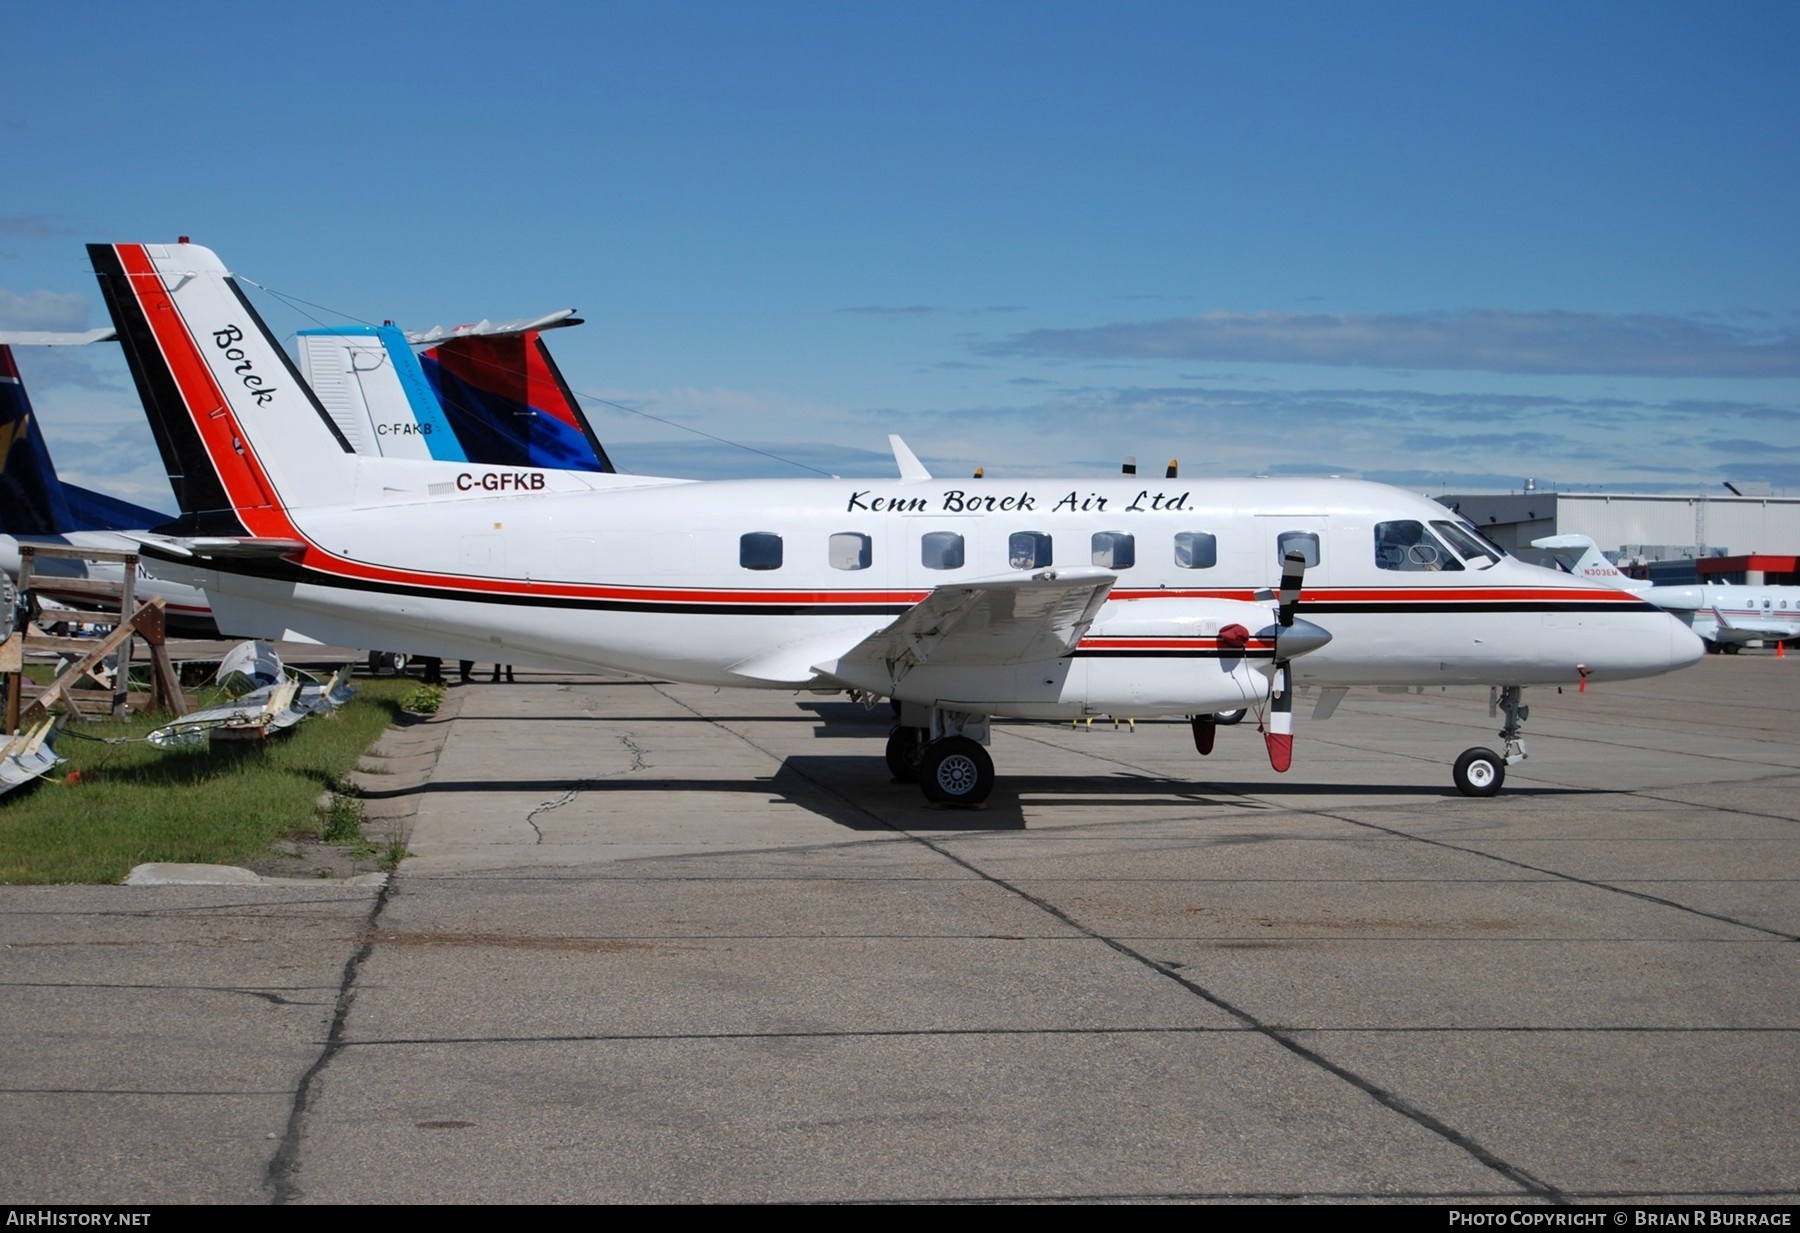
(1730, 648)
(1479, 772)
(905, 746)
(956, 771)
(1227, 718)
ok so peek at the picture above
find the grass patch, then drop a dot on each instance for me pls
(226, 804)
(344, 816)
(425, 700)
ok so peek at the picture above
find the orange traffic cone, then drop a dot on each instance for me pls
(1780, 650)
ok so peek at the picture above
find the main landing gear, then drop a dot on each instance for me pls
(1480, 772)
(946, 760)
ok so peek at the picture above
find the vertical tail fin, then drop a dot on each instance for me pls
(370, 383)
(241, 435)
(31, 496)
(509, 404)
(494, 398)
(1580, 555)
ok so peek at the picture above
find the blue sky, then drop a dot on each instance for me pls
(1444, 245)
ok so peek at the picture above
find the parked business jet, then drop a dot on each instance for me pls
(961, 601)
(1725, 617)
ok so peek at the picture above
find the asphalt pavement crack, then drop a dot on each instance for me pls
(285, 1163)
(638, 763)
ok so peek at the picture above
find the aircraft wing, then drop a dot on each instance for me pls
(1757, 627)
(986, 622)
(990, 622)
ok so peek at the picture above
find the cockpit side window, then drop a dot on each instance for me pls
(1475, 548)
(1406, 545)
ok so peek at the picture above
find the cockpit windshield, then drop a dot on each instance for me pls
(1477, 549)
(1406, 545)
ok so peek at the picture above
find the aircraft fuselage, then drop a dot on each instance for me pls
(699, 580)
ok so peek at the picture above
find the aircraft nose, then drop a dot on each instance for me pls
(1685, 646)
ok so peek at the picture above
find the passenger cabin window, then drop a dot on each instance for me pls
(941, 550)
(850, 550)
(1028, 550)
(1115, 549)
(1196, 549)
(759, 550)
(1407, 545)
(1306, 543)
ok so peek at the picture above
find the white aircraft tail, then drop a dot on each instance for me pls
(242, 436)
(1581, 556)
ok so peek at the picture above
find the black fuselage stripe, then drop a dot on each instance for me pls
(281, 570)
(1093, 653)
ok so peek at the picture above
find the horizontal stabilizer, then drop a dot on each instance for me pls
(486, 328)
(238, 547)
(56, 338)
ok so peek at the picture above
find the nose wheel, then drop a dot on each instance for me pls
(1479, 772)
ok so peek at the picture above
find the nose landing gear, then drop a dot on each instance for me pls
(1480, 772)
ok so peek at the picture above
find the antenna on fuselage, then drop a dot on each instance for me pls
(1130, 467)
(1174, 466)
(908, 462)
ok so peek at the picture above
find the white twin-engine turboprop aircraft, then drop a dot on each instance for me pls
(961, 601)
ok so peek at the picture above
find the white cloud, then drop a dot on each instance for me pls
(43, 310)
(1488, 340)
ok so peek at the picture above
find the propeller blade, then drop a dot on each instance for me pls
(1293, 570)
(1206, 731)
(1279, 734)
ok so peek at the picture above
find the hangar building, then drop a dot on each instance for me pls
(1750, 539)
